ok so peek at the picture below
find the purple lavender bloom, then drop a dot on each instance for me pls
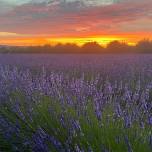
(76, 125)
(142, 125)
(98, 114)
(118, 110)
(128, 144)
(150, 120)
(39, 143)
(127, 122)
(17, 109)
(150, 141)
(57, 144)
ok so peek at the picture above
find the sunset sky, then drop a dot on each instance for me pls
(37, 22)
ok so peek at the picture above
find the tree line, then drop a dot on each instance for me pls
(143, 46)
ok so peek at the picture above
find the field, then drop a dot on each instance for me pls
(75, 103)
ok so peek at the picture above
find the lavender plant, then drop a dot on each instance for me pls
(83, 105)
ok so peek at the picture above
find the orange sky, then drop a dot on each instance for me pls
(42, 22)
(103, 40)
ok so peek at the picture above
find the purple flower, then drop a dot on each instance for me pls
(127, 120)
(128, 144)
(150, 120)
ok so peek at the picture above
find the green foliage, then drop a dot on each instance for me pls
(98, 134)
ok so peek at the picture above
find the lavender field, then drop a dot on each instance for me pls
(75, 103)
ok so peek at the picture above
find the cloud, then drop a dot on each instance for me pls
(5, 34)
(73, 18)
(14, 2)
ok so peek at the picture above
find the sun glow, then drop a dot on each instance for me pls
(80, 41)
(55, 41)
(103, 40)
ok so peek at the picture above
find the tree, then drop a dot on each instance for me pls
(92, 47)
(118, 47)
(144, 46)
